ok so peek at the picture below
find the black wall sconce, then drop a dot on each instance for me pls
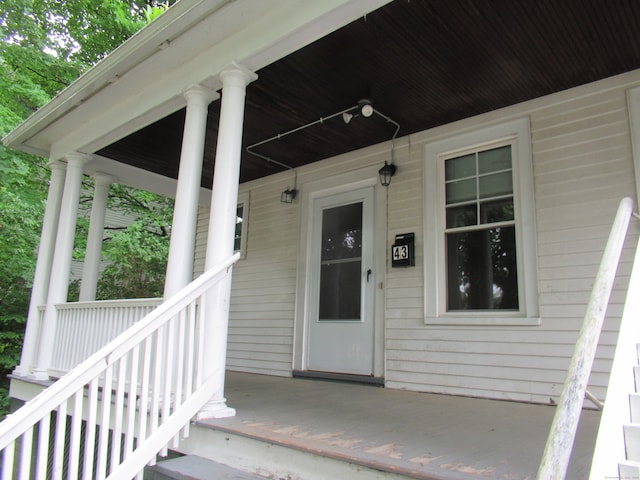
(386, 172)
(288, 195)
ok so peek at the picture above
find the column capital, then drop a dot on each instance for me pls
(56, 165)
(196, 93)
(77, 158)
(237, 74)
(103, 179)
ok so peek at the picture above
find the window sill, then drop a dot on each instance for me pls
(479, 320)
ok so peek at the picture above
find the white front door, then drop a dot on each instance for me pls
(340, 329)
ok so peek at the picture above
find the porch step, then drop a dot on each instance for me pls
(193, 467)
(629, 470)
(634, 406)
(632, 441)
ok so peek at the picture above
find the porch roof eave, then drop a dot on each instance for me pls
(136, 49)
(60, 126)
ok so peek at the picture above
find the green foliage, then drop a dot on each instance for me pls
(137, 264)
(44, 46)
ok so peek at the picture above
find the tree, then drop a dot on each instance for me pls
(44, 46)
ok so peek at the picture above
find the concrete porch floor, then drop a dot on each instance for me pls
(416, 434)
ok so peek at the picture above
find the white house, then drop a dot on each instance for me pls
(513, 130)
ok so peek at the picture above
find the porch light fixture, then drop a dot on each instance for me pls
(363, 108)
(288, 195)
(386, 172)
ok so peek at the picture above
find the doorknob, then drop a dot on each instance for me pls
(369, 272)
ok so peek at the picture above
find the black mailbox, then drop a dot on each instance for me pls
(403, 251)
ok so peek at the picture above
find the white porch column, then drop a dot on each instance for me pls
(61, 264)
(185, 211)
(43, 268)
(91, 266)
(221, 230)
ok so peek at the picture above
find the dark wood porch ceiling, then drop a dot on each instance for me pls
(423, 63)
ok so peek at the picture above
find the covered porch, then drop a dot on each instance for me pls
(305, 428)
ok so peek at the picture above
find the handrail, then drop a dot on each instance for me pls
(610, 445)
(557, 452)
(147, 405)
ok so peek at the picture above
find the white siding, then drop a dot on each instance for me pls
(582, 166)
(263, 296)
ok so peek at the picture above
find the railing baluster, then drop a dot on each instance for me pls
(75, 438)
(44, 433)
(157, 376)
(90, 430)
(190, 356)
(7, 461)
(105, 415)
(179, 369)
(59, 438)
(144, 390)
(169, 361)
(131, 400)
(25, 453)
(200, 320)
(116, 440)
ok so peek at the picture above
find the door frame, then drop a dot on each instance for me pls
(309, 192)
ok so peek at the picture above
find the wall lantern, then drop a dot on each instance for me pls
(288, 195)
(386, 172)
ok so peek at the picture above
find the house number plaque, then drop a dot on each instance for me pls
(403, 251)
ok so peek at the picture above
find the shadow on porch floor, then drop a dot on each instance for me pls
(416, 434)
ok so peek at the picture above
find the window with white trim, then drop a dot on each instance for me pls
(480, 248)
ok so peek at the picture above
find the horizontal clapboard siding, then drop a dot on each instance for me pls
(582, 167)
(263, 293)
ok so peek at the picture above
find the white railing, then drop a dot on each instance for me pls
(610, 446)
(83, 328)
(557, 452)
(98, 421)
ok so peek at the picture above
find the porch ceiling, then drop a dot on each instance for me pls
(423, 63)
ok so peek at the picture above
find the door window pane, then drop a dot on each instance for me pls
(340, 291)
(341, 263)
(342, 232)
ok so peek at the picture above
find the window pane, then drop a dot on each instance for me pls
(497, 211)
(340, 287)
(496, 184)
(495, 159)
(237, 242)
(342, 232)
(462, 216)
(461, 191)
(481, 270)
(460, 167)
